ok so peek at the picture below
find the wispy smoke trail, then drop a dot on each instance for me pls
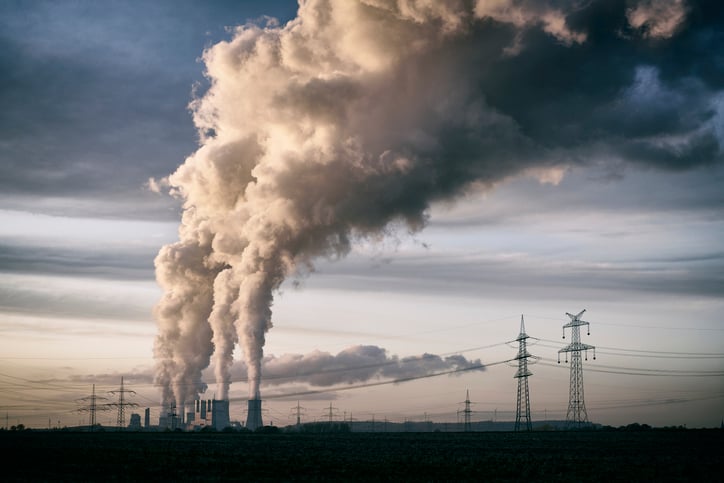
(360, 113)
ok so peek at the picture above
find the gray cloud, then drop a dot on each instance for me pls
(109, 262)
(527, 275)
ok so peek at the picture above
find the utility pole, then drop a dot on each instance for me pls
(522, 406)
(122, 404)
(576, 415)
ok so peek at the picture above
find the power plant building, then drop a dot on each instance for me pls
(209, 413)
(135, 424)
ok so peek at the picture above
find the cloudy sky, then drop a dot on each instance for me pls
(478, 161)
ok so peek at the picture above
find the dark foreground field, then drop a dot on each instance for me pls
(692, 455)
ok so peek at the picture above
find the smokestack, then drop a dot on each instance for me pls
(253, 414)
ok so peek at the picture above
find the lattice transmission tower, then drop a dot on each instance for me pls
(122, 404)
(91, 406)
(467, 426)
(331, 413)
(299, 411)
(522, 407)
(576, 415)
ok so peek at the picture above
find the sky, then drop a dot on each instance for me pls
(444, 169)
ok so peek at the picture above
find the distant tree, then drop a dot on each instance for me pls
(636, 427)
(268, 430)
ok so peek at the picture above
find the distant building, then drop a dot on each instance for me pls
(147, 418)
(209, 413)
(169, 419)
(135, 424)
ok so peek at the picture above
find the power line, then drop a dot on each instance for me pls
(640, 326)
(631, 371)
(620, 349)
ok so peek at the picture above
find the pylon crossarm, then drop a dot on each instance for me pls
(576, 323)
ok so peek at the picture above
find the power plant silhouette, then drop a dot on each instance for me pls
(213, 414)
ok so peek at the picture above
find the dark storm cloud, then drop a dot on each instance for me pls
(94, 99)
(651, 102)
(79, 124)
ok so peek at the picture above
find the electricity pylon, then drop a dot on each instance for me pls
(299, 411)
(522, 407)
(331, 413)
(92, 407)
(122, 404)
(466, 412)
(576, 415)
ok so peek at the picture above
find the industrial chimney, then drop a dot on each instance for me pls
(253, 414)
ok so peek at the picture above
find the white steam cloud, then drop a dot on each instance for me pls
(354, 115)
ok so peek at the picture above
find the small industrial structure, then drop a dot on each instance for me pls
(135, 424)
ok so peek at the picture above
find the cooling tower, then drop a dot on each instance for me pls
(219, 414)
(253, 414)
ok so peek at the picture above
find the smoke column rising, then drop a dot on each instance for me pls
(351, 117)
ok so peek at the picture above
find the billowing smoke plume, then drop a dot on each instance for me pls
(360, 113)
(355, 364)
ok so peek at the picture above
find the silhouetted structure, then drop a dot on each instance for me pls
(253, 414)
(522, 407)
(466, 412)
(298, 410)
(92, 407)
(135, 424)
(212, 413)
(122, 404)
(576, 415)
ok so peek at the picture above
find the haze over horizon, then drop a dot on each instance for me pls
(412, 176)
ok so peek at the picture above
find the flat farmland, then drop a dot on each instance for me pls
(655, 455)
